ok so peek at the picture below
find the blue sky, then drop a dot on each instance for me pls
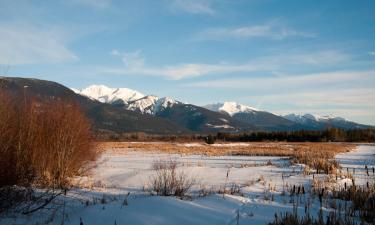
(280, 56)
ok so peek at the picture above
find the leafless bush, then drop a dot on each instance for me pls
(42, 142)
(169, 181)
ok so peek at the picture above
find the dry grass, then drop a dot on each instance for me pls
(248, 149)
(318, 156)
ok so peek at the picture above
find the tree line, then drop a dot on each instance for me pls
(332, 134)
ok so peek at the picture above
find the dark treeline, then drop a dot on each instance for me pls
(332, 134)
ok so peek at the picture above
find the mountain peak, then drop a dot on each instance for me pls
(106, 94)
(231, 108)
(303, 117)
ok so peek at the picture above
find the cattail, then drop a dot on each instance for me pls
(328, 220)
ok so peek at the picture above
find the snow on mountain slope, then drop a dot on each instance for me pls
(324, 122)
(306, 118)
(151, 104)
(231, 108)
(132, 100)
(106, 94)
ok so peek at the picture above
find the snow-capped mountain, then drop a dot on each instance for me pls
(322, 122)
(227, 116)
(130, 99)
(106, 94)
(305, 118)
(231, 108)
(151, 104)
(250, 115)
(193, 117)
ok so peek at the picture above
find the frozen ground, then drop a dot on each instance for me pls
(102, 197)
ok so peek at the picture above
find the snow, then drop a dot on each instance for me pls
(355, 161)
(133, 100)
(191, 144)
(120, 171)
(143, 105)
(164, 103)
(151, 104)
(106, 94)
(304, 118)
(231, 108)
(222, 145)
(225, 126)
(231, 144)
(75, 90)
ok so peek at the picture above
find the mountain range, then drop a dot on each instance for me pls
(122, 110)
(230, 113)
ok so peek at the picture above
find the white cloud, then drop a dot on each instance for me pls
(356, 104)
(27, 45)
(371, 53)
(182, 71)
(132, 60)
(288, 82)
(135, 65)
(272, 30)
(353, 97)
(193, 6)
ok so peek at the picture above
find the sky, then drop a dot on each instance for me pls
(281, 56)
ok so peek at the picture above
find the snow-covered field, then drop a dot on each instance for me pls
(103, 196)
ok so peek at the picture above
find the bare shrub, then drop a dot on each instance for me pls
(8, 136)
(169, 181)
(42, 142)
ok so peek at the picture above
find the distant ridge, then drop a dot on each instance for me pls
(237, 117)
(122, 110)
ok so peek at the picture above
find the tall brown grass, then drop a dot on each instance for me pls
(317, 156)
(42, 142)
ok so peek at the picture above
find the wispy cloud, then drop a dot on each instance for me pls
(272, 30)
(355, 104)
(182, 71)
(132, 60)
(352, 97)
(371, 53)
(287, 82)
(134, 64)
(192, 6)
(27, 45)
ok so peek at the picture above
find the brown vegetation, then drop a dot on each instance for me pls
(41, 142)
(169, 181)
(318, 156)
(294, 219)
